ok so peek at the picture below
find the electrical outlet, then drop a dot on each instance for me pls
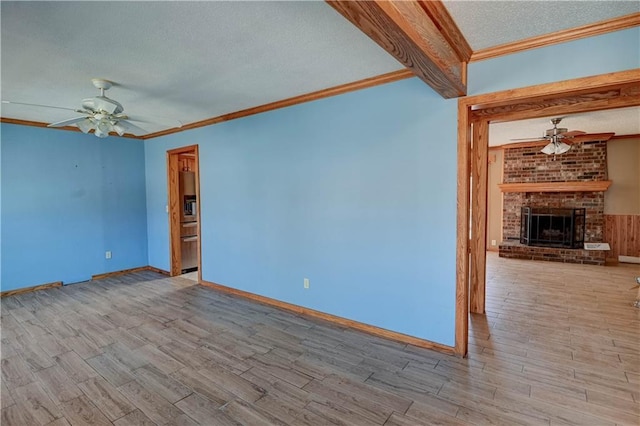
(306, 283)
(107, 254)
(493, 242)
(166, 208)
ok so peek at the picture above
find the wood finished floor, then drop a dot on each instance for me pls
(559, 345)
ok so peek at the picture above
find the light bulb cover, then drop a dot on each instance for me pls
(100, 133)
(85, 126)
(119, 128)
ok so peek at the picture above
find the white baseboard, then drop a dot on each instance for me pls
(629, 259)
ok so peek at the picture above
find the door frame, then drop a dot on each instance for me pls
(475, 113)
(174, 206)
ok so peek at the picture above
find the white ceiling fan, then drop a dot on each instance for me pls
(556, 137)
(104, 115)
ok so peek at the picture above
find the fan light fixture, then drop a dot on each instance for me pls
(104, 115)
(556, 147)
(555, 136)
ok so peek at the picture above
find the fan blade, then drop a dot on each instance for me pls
(549, 149)
(528, 139)
(171, 122)
(131, 128)
(573, 133)
(67, 122)
(39, 106)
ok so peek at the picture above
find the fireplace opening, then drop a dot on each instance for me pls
(552, 227)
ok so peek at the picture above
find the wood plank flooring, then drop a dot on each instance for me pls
(559, 345)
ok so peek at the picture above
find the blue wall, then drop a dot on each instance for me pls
(66, 199)
(617, 51)
(355, 192)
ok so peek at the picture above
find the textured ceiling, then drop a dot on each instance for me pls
(188, 60)
(197, 60)
(624, 121)
(490, 23)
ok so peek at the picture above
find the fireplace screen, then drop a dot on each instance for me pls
(552, 227)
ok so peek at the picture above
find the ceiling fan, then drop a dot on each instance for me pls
(104, 115)
(556, 137)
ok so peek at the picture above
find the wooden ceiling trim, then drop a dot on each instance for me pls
(589, 30)
(584, 85)
(324, 93)
(41, 124)
(411, 32)
(603, 95)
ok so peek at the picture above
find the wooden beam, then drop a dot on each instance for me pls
(556, 90)
(420, 35)
(611, 97)
(479, 218)
(582, 186)
(563, 36)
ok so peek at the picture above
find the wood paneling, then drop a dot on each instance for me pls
(583, 186)
(409, 32)
(622, 232)
(479, 169)
(562, 36)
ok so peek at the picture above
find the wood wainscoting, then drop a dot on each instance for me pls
(622, 232)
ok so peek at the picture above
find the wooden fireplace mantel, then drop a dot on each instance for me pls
(585, 186)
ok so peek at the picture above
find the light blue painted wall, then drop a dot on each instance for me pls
(617, 51)
(66, 199)
(355, 192)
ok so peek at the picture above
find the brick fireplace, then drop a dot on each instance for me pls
(574, 180)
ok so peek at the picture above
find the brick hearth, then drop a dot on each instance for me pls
(584, 162)
(515, 250)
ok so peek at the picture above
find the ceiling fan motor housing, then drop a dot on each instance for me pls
(556, 131)
(102, 103)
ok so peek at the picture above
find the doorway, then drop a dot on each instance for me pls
(607, 91)
(183, 184)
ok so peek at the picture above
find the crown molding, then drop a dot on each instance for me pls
(68, 128)
(324, 93)
(589, 30)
